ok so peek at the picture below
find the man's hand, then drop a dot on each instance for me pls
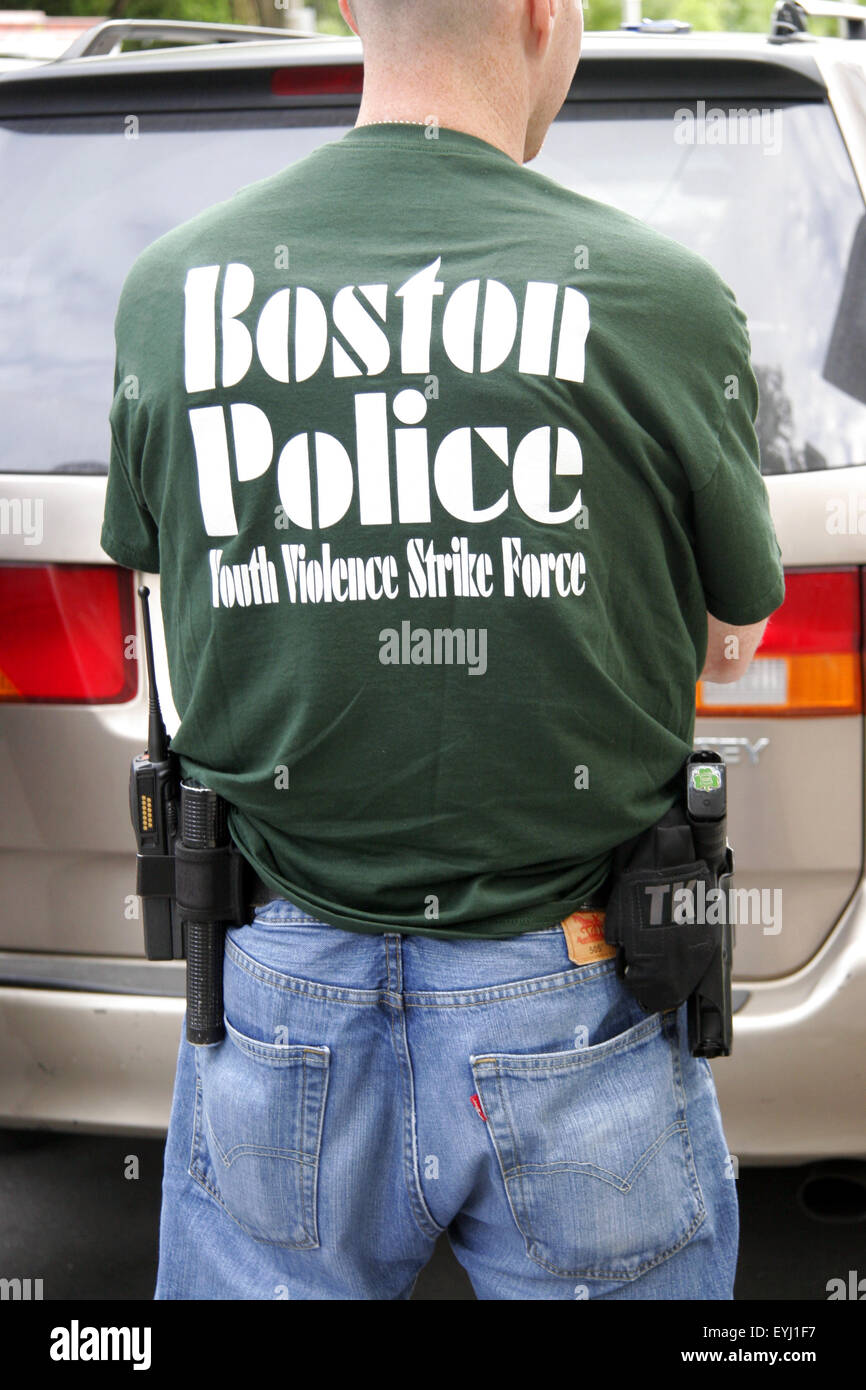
(730, 649)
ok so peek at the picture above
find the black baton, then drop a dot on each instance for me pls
(203, 825)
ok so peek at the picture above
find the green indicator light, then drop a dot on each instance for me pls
(706, 779)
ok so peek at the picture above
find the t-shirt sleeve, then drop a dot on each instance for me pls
(129, 532)
(737, 552)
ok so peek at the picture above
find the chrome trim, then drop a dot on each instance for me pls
(97, 974)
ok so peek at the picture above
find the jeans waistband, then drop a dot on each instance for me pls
(261, 893)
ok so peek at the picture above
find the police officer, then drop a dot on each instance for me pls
(452, 500)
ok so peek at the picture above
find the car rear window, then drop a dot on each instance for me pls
(775, 210)
(771, 200)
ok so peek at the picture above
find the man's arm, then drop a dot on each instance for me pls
(730, 649)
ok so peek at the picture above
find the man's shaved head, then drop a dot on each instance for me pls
(500, 69)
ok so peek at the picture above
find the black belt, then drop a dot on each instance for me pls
(259, 893)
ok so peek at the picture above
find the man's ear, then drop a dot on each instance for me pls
(541, 15)
(346, 12)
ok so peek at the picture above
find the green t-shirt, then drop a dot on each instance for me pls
(441, 466)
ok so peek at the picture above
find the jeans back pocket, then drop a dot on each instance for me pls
(258, 1133)
(594, 1151)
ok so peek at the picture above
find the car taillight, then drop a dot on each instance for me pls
(66, 634)
(809, 661)
(317, 79)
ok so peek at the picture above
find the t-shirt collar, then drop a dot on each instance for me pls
(405, 135)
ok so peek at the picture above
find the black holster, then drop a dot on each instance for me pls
(669, 915)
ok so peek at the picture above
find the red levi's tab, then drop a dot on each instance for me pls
(477, 1103)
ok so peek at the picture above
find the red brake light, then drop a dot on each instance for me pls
(809, 661)
(318, 79)
(65, 634)
(821, 613)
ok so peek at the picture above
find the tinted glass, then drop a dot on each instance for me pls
(771, 201)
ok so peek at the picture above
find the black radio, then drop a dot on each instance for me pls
(190, 876)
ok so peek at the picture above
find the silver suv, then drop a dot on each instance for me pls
(749, 149)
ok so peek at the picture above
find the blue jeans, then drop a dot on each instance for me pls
(375, 1091)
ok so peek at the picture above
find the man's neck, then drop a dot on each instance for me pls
(479, 118)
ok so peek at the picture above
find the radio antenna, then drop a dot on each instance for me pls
(157, 738)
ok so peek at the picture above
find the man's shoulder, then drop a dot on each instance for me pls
(621, 240)
(165, 259)
(202, 238)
